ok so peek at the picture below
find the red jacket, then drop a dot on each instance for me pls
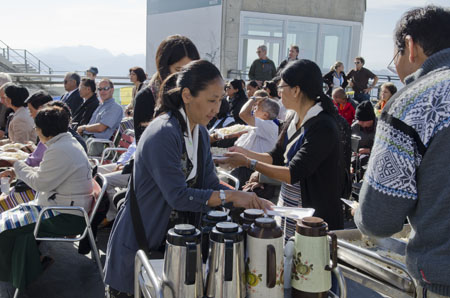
(347, 111)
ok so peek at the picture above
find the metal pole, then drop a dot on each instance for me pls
(26, 64)
(7, 52)
(39, 66)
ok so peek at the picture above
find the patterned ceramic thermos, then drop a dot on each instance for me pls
(311, 267)
(264, 264)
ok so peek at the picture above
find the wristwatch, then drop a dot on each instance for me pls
(253, 163)
(222, 196)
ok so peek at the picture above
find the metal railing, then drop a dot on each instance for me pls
(58, 79)
(24, 60)
(382, 78)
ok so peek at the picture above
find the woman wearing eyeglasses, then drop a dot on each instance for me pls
(308, 156)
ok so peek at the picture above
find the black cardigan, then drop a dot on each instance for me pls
(144, 108)
(328, 79)
(316, 165)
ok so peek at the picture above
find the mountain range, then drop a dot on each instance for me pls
(80, 58)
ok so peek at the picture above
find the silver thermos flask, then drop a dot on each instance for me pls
(225, 278)
(183, 274)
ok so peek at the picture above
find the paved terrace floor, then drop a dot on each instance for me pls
(76, 276)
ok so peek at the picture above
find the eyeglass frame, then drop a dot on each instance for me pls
(391, 66)
(280, 87)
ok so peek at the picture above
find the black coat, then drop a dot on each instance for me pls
(83, 115)
(74, 101)
(144, 108)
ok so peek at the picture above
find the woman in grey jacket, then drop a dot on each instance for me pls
(63, 179)
(173, 170)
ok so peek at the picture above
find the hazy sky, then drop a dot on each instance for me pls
(119, 25)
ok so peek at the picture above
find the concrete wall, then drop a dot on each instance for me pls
(346, 10)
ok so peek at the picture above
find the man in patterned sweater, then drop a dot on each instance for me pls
(408, 172)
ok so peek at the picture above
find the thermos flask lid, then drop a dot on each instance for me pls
(216, 216)
(184, 229)
(182, 234)
(227, 230)
(227, 227)
(312, 226)
(253, 213)
(265, 222)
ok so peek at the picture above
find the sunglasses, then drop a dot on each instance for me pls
(104, 88)
(357, 62)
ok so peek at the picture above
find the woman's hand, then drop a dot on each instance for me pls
(234, 160)
(250, 200)
(238, 149)
(253, 183)
(8, 173)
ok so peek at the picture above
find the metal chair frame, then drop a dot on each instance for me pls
(143, 271)
(88, 219)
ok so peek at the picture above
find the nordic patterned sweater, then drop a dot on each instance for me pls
(408, 173)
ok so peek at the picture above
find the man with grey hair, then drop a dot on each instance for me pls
(72, 96)
(261, 113)
(262, 69)
(4, 79)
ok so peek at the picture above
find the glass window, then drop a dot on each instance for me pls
(249, 47)
(305, 36)
(263, 27)
(336, 45)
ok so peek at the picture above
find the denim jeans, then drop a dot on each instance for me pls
(360, 97)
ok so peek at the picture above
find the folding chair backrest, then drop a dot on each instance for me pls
(99, 189)
(126, 139)
(355, 143)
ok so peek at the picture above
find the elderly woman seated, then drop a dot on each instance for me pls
(22, 193)
(63, 178)
(21, 126)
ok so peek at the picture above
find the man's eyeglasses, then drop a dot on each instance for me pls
(104, 88)
(280, 88)
(391, 65)
(357, 62)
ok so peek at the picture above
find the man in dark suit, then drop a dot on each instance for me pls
(85, 111)
(72, 97)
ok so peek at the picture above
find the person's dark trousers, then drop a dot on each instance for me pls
(360, 97)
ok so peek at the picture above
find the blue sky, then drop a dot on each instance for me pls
(119, 25)
(380, 19)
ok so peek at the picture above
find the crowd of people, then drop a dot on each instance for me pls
(298, 134)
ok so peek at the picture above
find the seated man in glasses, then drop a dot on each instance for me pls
(105, 120)
(359, 80)
(72, 96)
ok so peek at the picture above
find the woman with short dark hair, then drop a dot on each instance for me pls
(64, 179)
(21, 127)
(137, 77)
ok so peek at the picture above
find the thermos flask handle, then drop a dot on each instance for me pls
(191, 263)
(271, 266)
(333, 252)
(228, 260)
